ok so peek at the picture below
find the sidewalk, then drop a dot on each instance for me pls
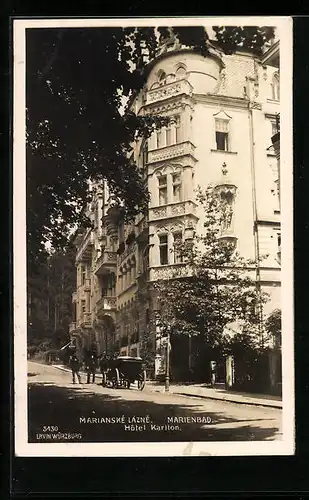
(200, 391)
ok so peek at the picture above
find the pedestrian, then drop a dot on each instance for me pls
(103, 364)
(75, 367)
(213, 373)
(91, 367)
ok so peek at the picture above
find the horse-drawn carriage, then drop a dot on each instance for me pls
(124, 371)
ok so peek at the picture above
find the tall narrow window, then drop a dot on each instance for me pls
(222, 134)
(83, 272)
(163, 249)
(162, 190)
(83, 306)
(178, 129)
(176, 187)
(168, 136)
(159, 138)
(144, 158)
(177, 250)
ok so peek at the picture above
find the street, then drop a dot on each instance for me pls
(60, 411)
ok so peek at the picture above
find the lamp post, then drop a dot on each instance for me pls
(167, 366)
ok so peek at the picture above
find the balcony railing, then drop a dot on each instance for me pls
(85, 248)
(169, 271)
(85, 320)
(173, 151)
(105, 261)
(106, 304)
(173, 210)
(169, 90)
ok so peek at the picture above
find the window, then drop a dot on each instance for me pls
(83, 272)
(276, 87)
(178, 130)
(161, 75)
(168, 136)
(83, 306)
(222, 134)
(181, 72)
(274, 128)
(176, 187)
(144, 157)
(159, 139)
(162, 190)
(163, 249)
(177, 242)
(279, 241)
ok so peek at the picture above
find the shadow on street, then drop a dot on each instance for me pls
(70, 409)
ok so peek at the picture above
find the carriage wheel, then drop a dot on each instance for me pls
(104, 379)
(116, 379)
(141, 381)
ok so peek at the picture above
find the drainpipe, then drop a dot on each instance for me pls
(255, 218)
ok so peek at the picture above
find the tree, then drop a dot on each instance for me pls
(79, 123)
(273, 326)
(212, 295)
(50, 299)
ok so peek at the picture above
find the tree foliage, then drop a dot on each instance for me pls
(212, 294)
(273, 325)
(78, 83)
(50, 300)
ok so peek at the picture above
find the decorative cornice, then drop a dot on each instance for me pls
(221, 100)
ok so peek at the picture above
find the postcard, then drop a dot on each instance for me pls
(153, 236)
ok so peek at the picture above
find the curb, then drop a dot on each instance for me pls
(228, 400)
(252, 402)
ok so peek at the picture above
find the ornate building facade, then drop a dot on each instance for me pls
(222, 115)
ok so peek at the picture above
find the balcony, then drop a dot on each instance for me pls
(106, 305)
(173, 151)
(173, 210)
(169, 90)
(84, 252)
(228, 236)
(72, 327)
(85, 320)
(105, 262)
(169, 271)
(74, 295)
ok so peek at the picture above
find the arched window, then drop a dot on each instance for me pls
(181, 72)
(161, 75)
(276, 87)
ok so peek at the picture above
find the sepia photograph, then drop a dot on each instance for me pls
(153, 237)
